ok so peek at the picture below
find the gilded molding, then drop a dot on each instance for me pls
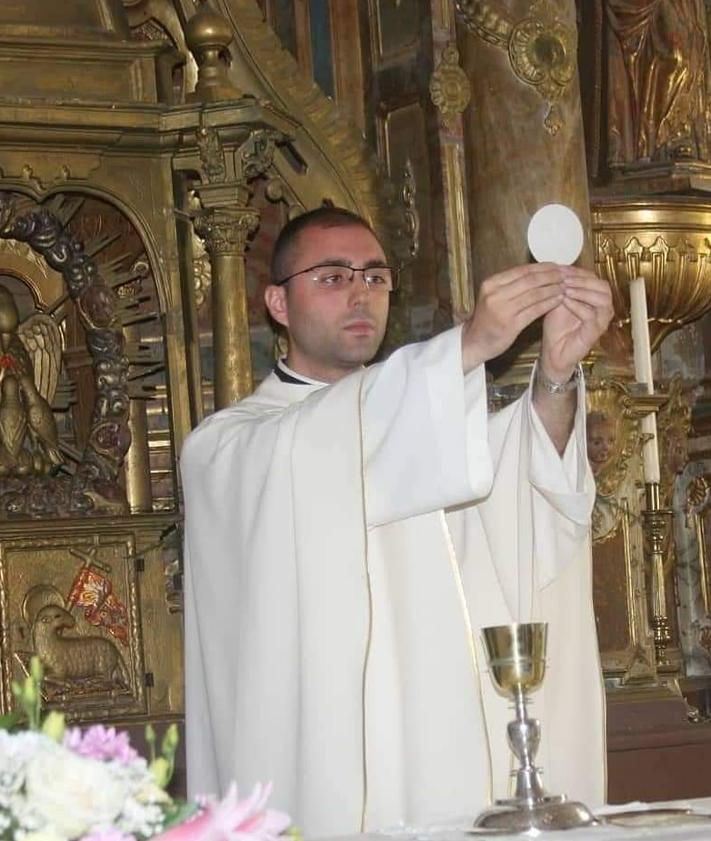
(449, 87)
(541, 47)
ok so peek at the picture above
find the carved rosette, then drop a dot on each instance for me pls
(541, 47)
(226, 230)
(449, 87)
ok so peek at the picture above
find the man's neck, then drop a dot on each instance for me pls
(312, 371)
(288, 374)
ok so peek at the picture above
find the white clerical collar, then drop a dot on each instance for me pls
(287, 375)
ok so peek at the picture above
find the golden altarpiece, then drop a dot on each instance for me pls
(134, 170)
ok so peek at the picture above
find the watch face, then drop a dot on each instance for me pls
(555, 235)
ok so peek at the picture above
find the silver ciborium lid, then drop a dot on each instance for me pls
(516, 655)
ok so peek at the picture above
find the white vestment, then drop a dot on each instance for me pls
(330, 600)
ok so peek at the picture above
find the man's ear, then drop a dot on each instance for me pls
(275, 300)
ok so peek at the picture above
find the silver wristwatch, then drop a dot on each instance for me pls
(552, 387)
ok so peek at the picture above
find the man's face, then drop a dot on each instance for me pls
(331, 332)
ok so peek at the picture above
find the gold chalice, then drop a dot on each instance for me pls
(516, 655)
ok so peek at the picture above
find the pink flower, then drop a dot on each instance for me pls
(109, 835)
(99, 742)
(232, 819)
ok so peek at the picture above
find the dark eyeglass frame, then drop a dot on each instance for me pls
(353, 269)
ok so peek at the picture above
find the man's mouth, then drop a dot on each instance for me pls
(360, 326)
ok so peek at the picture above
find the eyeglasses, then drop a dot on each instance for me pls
(376, 278)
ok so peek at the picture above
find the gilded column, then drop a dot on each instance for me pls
(137, 462)
(225, 232)
(523, 126)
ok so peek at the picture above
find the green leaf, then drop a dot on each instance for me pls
(178, 813)
(7, 722)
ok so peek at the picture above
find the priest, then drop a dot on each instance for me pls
(351, 528)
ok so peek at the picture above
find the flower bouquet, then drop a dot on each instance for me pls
(62, 784)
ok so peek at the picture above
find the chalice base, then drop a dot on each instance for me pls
(549, 813)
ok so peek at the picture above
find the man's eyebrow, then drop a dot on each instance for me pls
(376, 262)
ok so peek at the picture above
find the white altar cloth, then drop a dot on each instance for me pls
(456, 830)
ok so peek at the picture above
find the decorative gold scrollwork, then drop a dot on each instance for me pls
(613, 438)
(541, 47)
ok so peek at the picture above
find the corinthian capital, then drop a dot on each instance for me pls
(226, 230)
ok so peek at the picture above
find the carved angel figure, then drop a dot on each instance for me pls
(657, 80)
(30, 360)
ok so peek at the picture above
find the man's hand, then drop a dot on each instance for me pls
(572, 328)
(569, 332)
(507, 303)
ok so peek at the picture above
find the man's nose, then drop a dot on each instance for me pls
(359, 289)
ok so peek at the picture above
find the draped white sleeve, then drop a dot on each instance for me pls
(424, 431)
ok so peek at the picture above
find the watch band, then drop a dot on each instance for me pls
(553, 387)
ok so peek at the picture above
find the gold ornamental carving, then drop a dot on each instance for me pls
(322, 122)
(541, 47)
(674, 425)
(30, 363)
(75, 605)
(449, 87)
(212, 155)
(30, 367)
(668, 242)
(657, 81)
(613, 438)
(226, 231)
(408, 195)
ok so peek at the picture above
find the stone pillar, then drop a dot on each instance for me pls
(225, 232)
(524, 129)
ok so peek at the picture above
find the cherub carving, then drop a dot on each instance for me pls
(30, 362)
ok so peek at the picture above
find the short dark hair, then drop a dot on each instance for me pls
(321, 217)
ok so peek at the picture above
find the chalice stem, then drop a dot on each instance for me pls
(524, 736)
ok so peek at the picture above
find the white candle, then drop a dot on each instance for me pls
(643, 373)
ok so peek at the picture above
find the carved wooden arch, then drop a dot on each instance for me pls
(94, 487)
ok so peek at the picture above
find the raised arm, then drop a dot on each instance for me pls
(576, 307)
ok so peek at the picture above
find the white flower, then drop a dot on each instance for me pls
(72, 793)
(43, 836)
(15, 752)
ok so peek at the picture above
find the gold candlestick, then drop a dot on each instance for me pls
(656, 529)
